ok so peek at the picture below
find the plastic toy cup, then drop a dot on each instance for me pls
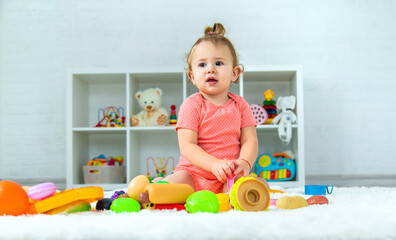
(318, 189)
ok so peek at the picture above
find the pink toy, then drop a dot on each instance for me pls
(260, 115)
(42, 191)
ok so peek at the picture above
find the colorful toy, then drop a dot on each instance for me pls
(269, 105)
(41, 191)
(104, 204)
(317, 199)
(116, 194)
(294, 202)
(152, 114)
(136, 186)
(173, 117)
(121, 205)
(111, 117)
(166, 193)
(285, 118)
(259, 113)
(202, 201)
(101, 160)
(160, 166)
(62, 201)
(73, 207)
(318, 189)
(224, 202)
(13, 199)
(249, 194)
(278, 167)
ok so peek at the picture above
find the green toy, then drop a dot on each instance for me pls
(202, 201)
(120, 205)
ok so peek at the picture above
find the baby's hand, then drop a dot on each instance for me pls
(242, 167)
(223, 169)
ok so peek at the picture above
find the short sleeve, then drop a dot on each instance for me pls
(189, 115)
(247, 118)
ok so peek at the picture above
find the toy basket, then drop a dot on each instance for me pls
(104, 174)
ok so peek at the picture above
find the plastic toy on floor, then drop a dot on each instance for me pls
(278, 167)
(159, 195)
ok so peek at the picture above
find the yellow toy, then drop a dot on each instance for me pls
(66, 199)
(224, 202)
(168, 193)
(249, 194)
(136, 186)
(294, 202)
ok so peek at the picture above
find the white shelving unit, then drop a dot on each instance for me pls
(90, 90)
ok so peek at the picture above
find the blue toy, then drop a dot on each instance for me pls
(275, 168)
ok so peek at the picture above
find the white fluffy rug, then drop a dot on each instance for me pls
(353, 213)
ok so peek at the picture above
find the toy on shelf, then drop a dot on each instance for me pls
(102, 160)
(160, 166)
(278, 167)
(269, 105)
(285, 118)
(153, 114)
(111, 117)
(259, 113)
(173, 117)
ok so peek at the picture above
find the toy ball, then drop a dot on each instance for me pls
(125, 205)
(202, 201)
(224, 202)
(104, 204)
(13, 199)
(136, 186)
(42, 191)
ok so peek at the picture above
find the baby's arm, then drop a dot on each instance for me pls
(249, 150)
(189, 148)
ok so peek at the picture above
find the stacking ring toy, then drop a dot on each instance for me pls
(249, 194)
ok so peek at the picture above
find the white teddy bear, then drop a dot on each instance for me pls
(152, 114)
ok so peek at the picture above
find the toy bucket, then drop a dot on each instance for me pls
(318, 189)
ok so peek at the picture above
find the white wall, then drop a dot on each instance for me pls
(347, 49)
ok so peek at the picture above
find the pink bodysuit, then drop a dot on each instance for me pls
(219, 132)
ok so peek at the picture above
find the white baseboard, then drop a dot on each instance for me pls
(352, 180)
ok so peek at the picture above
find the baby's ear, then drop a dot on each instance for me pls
(138, 95)
(236, 72)
(191, 76)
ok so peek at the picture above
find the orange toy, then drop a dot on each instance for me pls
(13, 199)
(63, 200)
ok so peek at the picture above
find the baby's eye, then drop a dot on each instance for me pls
(202, 65)
(219, 63)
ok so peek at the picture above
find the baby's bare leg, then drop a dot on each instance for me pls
(179, 177)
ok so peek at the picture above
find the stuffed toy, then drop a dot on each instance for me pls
(285, 118)
(152, 114)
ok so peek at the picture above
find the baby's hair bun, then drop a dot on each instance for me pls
(216, 29)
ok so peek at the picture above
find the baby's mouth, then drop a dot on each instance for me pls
(211, 80)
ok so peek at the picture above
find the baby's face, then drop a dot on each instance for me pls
(212, 69)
